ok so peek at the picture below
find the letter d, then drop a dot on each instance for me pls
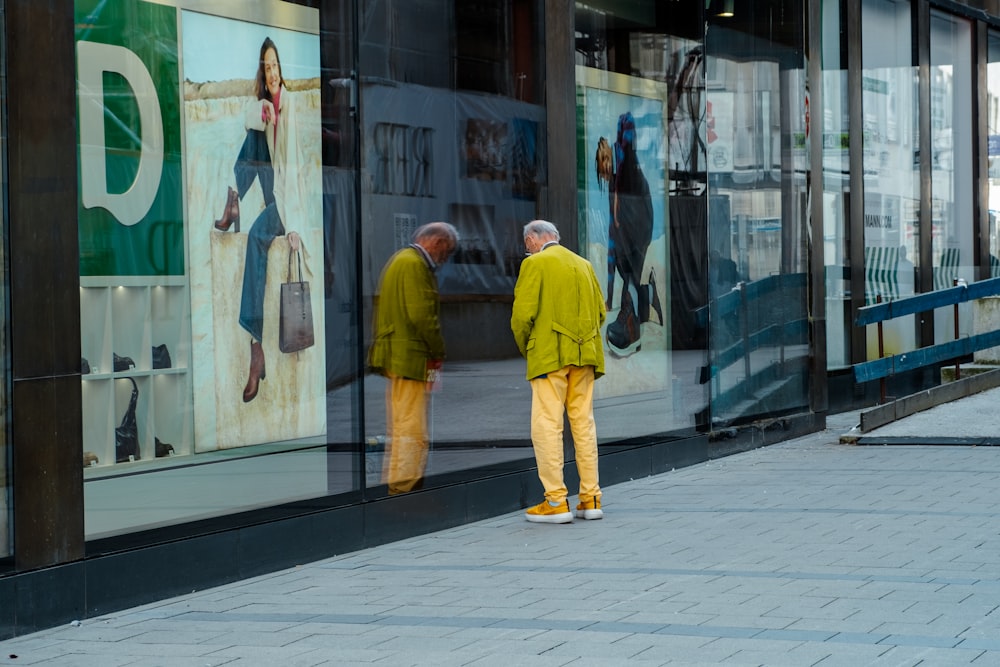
(93, 59)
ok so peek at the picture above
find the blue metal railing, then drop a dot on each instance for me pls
(879, 369)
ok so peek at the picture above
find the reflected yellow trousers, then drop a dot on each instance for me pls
(406, 409)
(570, 388)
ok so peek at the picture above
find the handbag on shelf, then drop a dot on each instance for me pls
(295, 323)
(123, 363)
(161, 356)
(127, 433)
(163, 448)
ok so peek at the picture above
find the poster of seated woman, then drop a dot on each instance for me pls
(252, 129)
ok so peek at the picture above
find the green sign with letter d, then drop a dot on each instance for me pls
(128, 104)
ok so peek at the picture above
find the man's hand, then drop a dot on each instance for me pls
(433, 374)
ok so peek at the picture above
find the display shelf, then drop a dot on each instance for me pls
(170, 320)
(99, 427)
(128, 317)
(132, 281)
(171, 425)
(95, 329)
(131, 325)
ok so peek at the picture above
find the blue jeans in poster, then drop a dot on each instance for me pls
(265, 229)
(254, 162)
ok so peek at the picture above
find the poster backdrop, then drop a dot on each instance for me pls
(220, 104)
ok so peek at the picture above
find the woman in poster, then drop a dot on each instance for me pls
(268, 155)
(629, 237)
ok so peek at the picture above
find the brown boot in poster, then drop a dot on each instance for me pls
(231, 213)
(257, 372)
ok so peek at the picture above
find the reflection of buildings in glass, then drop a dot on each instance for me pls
(523, 158)
(685, 113)
(485, 149)
(403, 226)
(475, 251)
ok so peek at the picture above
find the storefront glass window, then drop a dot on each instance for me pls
(836, 174)
(213, 207)
(756, 136)
(642, 210)
(993, 147)
(952, 186)
(731, 103)
(891, 165)
(452, 127)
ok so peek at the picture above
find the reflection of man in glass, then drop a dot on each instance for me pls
(556, 321)
(268, 156)
(408, 348)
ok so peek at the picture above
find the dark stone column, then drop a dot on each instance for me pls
(40, 99)
(558, 203)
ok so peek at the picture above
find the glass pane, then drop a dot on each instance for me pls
(952, 187)
(836, 185)
(993, 147)
(453, 130)
(755, 132)
(891, 165)
(640, 100)
(216, 200)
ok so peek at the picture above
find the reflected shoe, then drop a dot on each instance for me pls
(589, 509)
(545, 513)
(623, 334)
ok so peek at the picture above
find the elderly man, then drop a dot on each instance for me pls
(556, 321)
(408, 348)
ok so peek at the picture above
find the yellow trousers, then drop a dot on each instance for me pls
(571, 389)
(406, 410)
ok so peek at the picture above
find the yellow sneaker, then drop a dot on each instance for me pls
(589, 509)
(545, 513)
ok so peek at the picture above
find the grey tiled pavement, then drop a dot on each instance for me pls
(809, 552)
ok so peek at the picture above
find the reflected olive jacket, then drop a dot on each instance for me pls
(407, 328)
(558, 312)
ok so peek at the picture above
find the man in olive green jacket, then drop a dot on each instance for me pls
(556, 320)
(408, 348)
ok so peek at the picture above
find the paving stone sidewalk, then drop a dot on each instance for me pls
(809, 552)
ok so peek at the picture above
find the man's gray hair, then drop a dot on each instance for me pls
(436, 230)
(541, 228)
